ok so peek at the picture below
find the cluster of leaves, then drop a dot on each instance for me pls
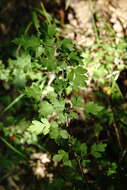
(41, 90)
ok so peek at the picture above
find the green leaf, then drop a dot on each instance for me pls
(45, 108)
(60, 85)
(93, 108)
(97, 154)
(28, 42)
(62, 118)
(77, 77)
(39, 51)
(22, 63)
(68, 163)
(36, 128)
(59, 106)
(64, 134)
(36, 21)
(57, 158)
(51, 30)
(34, 91)
(101, 147)
(46, 125)
(83, 149)
(54, 131)
(77, 101)
(73, 115)
(67, 44)
(20, 80)
(49, 63)
(62, 155)
(98, 149)
(113, 169)
(85, 163)
(40, 127)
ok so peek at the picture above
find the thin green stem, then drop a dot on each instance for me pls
(13, 148)
(12, 103)
(93, 20)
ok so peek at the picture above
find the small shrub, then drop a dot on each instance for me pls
(41, 97)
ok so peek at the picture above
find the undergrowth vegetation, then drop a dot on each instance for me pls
(67, 106)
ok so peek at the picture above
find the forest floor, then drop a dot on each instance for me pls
(81, 18)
